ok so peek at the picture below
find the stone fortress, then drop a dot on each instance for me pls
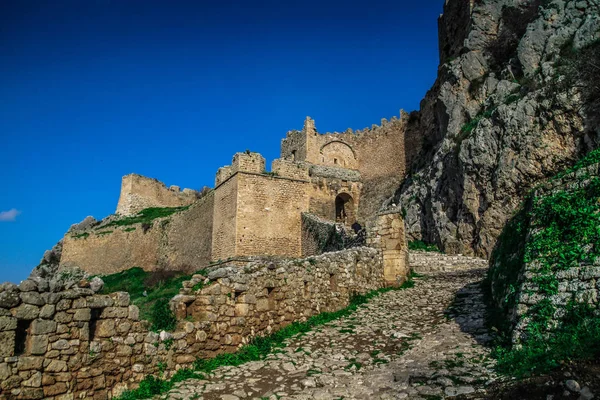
(320, 179)
(62, 338)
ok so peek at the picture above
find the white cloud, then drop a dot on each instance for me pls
(9, 215)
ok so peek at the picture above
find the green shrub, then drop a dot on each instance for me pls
(158, 285)
(422, 246)
(146, 216)
(162, 318)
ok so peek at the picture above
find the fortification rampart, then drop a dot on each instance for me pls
(79, 344)
(139, 192)
(181, 242)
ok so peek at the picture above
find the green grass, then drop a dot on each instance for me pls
(146, 216)
(159, 290)
(104, 233)
(80, 235)
(422, 246)
(257, 349)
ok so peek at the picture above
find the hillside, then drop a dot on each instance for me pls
(516, 100)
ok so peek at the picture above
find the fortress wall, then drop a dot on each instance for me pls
(290, 169)
(188, 244)
(293, 147)
(121, 248)
(269, 215)
(180, 242)
(324, 191)
(78, 344)
(139, 192)
(248, 162)
(223, 174)
(224, 219)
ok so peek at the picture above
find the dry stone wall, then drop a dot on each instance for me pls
(524, 282)
(77, 343)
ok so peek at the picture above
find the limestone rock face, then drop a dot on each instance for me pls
(513, 103)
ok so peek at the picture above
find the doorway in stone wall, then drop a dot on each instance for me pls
(344, 209)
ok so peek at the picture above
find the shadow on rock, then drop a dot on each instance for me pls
(468, 309)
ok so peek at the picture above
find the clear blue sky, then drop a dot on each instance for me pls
(93, 90)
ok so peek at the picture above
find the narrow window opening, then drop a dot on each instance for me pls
(293, 155)
(95, 316)
(22, 336)
(305, 290)
(333, 282)
(335, 161)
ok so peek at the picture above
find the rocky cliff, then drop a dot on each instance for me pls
(515, 101)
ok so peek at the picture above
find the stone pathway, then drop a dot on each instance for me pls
(426, 342)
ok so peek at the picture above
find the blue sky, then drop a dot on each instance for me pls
(93, 90)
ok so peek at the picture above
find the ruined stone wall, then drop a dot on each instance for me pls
(78, 344)
(269, 215)
(139, 192)
(525, 279)
(323, 192)
(182, 242)
(386, 232)
(113, 249)
(317, 235)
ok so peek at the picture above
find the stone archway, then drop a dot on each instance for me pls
(344, 209)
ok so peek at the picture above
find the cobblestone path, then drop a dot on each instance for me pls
(427, 342)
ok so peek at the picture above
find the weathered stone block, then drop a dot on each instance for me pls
(100, 301)
(115, 312)
(34, 381)
(105, 328)
(26, 363)
(82, 314)
(63, 317)
(7, 343)
(56, 366)
(80, 302)
(32, 298)
(8, 323)
(61, 344)
(47, 311)
(43, 326)
(121, 299)
(64, 304)
(38, 344)
(28, 286)
(56, 389)
(134, 313)
(26, 311)
(262, 305)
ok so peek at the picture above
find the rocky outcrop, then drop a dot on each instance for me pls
(515, 101)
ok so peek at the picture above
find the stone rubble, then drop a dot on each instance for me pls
(425, 342)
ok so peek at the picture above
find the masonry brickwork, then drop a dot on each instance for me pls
(139, 192)
(77, 343)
